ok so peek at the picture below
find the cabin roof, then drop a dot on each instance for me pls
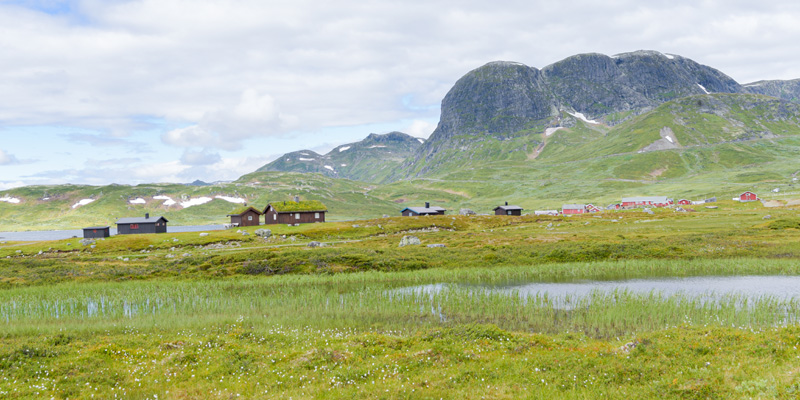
(241, 210)
(293, 206)
(654, 199)
(573, 207)
(424, 210)
(140, 220)
(508, 208)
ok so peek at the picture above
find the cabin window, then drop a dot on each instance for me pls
(297, 216)
(249, 217)
(274, 217)
(316, 215)
(509, 212)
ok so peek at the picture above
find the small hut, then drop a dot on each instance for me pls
(97, 232)
(427, 210)
(245, 216)
(507, 210)
(127, 226)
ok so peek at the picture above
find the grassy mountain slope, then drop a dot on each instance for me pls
(370, 160)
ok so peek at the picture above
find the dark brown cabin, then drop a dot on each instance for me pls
(295, 212)
(97, 232)
(508, 210)
(247, 216)
(427, 210)
(127, 226)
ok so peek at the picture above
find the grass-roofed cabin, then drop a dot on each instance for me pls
(245, 216)
(295, 212)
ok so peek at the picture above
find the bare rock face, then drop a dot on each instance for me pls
(409, 241)
(668, 141)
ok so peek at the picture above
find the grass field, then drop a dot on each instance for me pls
(227, 315)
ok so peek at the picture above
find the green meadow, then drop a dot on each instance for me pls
(234, 315)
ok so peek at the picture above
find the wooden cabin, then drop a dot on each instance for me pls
(569, 209)
(245, 216)
(508, 210)
(427, 210)
(97, 232)
(295, 212)
(127, 226)
(748, 196)
(684, 202)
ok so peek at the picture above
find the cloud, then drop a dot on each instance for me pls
(421, 128)
(200, 158)
(254, 115)
(218, 75)
(102, 140)
(7, 159)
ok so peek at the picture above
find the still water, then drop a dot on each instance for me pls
(752, 286)
(66, 234)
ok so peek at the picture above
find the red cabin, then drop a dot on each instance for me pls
(748, 196)
(684, 202)
(568, 209)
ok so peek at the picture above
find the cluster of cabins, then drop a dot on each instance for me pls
(311, 211)
(284, 212)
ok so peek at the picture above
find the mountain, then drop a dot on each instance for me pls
(587, 129)
(787, 90)
(369, 160)
(502, 103)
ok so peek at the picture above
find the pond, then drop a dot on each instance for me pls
(779, 287)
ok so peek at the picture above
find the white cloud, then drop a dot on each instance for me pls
(200, 157)
(420, 128)
(231, 72)
(7, 159)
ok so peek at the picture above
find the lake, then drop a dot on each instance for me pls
(66, 234)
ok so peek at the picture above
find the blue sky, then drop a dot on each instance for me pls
(99, 91)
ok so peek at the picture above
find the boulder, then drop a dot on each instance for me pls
(264, 233)
(314, 244)
(409, 241)
(437, 245)
(204, 234)
(466, 211)
(87, 242)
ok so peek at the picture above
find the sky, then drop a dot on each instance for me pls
(144, 91)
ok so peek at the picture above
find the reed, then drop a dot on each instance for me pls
(376, 299)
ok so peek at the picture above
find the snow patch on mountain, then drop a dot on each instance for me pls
(195, 202)
(82, 203)
(582, 117)
(168, 200)
(8, 199)
(237, 200)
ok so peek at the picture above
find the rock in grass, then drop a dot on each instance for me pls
(204, 234)
(767, 217)
(264, 233)
(314, 244)
(437, 245)
(648, 211)
(409, 241)
(86, 242)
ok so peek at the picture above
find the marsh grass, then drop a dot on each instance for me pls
(376, 299)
